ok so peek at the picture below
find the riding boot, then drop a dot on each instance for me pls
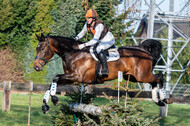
(103, 61)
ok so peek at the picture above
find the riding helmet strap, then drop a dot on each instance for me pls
(90, 30)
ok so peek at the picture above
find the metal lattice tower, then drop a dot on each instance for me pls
(153, 11)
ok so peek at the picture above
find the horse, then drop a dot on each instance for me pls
(79, 66)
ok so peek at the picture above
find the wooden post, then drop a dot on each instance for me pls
(126, 86)
(120, 78)
(6, 96)
(30, 90)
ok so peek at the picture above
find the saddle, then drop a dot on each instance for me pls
(112, 55)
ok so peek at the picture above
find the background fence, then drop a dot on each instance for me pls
(180, 94)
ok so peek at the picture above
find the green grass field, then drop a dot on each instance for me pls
(178, 115)
(18, 115)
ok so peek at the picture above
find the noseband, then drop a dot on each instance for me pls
(40, 58)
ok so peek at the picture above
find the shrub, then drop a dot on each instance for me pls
(113, 113)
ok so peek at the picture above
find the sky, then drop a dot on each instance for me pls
(163, 7)
(163, 4)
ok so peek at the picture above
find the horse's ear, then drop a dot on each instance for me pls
(38, 37)
(42, 37)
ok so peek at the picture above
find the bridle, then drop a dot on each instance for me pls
(44, 59)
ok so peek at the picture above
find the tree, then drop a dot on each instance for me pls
(16, 24)
(107, 11)
(43, 22)
(6, 21)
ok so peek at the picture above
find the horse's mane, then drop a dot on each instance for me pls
(66, 40)
(70, 42)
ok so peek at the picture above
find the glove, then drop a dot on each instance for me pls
(81, 46)
(76, 38)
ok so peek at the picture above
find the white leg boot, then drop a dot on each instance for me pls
(54, 99)
(155, 95)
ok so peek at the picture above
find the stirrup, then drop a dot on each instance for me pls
(104, 72)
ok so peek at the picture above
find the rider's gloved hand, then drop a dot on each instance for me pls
(81, 46)
(76, 38)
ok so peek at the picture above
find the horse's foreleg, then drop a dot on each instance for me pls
(58, 80)
(63, 79)
(50, 92)
(45, 107)
(54, 98)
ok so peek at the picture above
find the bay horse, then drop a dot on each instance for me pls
(79, 66)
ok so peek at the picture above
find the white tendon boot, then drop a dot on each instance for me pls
(54, 99)
(155, 95)
(46, 96)
(53, 89)
(162, 94)
(45, 107)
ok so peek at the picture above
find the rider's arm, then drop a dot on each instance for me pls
(99, 28)
(82, 33)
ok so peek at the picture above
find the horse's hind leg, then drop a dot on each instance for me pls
(155, 93)
(159, 96)
(162, 92)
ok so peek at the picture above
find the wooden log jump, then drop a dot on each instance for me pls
(86, 108)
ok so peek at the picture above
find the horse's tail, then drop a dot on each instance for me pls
(154, 47)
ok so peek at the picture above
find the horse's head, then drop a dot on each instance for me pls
(43, 52)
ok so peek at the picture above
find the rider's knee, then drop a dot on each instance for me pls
(98, 49)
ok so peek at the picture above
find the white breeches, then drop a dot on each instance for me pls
(106, 42)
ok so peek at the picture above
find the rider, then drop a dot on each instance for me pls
(102, 36)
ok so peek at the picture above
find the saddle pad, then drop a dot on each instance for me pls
(113, 55)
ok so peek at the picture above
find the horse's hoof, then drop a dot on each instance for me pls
(167, 101)
(45, 108)
(160, 103)
(54, 99)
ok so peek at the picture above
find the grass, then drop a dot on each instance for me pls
(18, 115)
(178, 114)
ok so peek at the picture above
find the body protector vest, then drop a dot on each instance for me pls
(92, 29)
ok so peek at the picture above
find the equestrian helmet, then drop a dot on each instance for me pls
(91, 14)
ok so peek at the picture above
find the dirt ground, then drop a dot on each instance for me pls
(9, 69)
